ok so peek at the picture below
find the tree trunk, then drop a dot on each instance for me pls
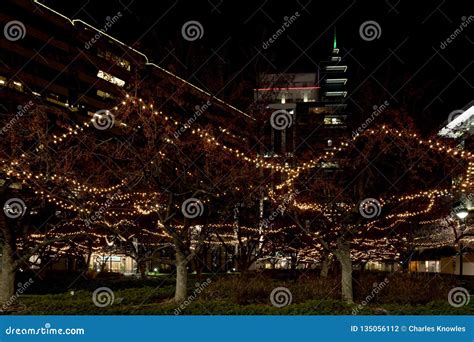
(181, 277)
(142, 269)
(7, 273)
(324, 267)
(294, 262)
(343, 254)
(243, 263)
(89, 257)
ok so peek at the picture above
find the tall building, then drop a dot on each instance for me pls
(323, 122)
(70, 64)
(281, 93)
(315, 104)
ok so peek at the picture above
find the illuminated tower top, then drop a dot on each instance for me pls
(334, 77)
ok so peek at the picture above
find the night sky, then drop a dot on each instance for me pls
(405, 65)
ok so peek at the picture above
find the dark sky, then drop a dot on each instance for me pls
(405, 65)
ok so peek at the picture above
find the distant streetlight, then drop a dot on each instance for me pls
(462, 213)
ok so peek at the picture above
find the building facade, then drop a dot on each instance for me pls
(74, 66)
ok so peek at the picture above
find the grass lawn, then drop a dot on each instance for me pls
(151, 301)
(405, 294)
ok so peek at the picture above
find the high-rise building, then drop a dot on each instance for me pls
(315, 104)
(70, 64)
(281, 94)
(323, 122)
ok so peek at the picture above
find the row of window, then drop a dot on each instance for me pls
(13, 84)
(51, 97)
(110, 78)
(109, 56)
(305, 98)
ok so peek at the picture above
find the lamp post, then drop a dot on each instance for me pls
(462, 213)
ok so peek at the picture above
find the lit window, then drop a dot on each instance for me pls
(315, 110)
(56, 99)
(336, 68)
(336, 80)
(16, 85)
(283, 99)
(123, 63)
(104, 94)
(110, 78)
(336, 93)
(329, 165)
(328, 120)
